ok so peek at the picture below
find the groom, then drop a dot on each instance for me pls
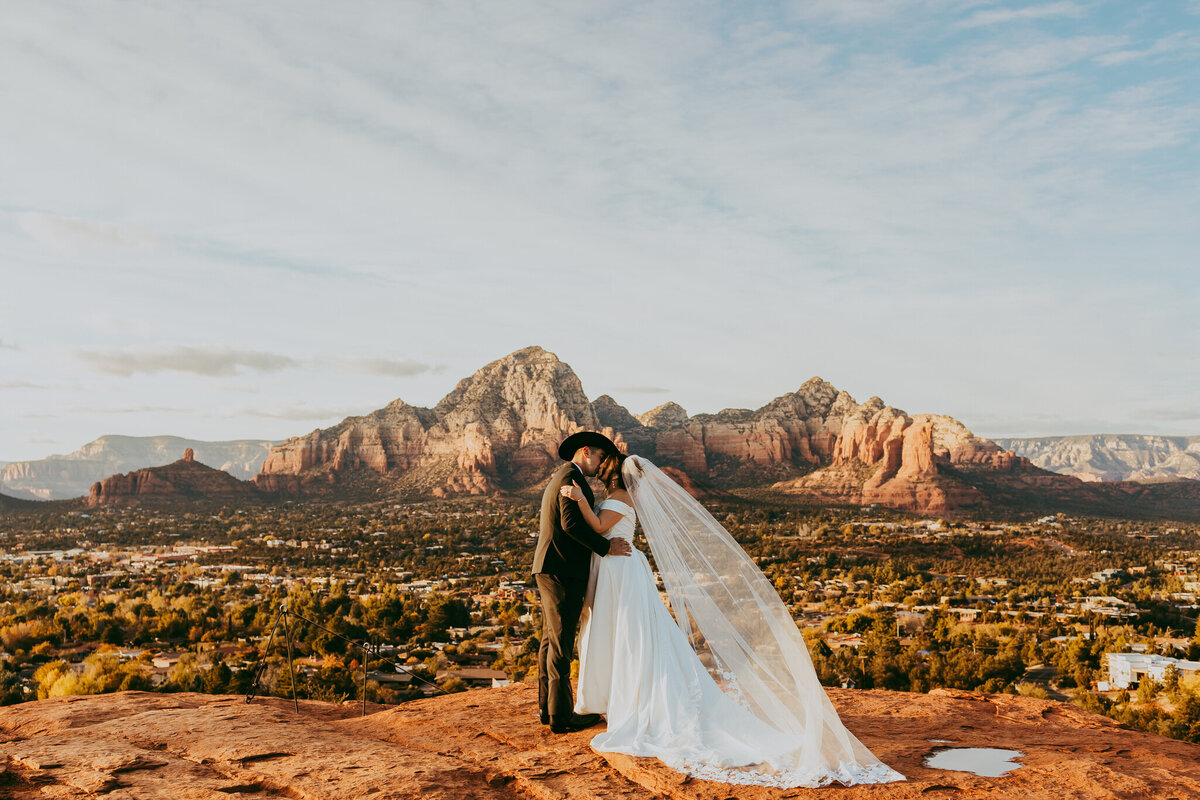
(561, 567)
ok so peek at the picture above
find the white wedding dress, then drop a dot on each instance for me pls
(638, 668)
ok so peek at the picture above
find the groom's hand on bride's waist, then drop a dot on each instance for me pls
(619, 547)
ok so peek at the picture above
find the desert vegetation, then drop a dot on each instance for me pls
(188, 600)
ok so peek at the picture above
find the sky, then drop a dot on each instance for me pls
(233, 220)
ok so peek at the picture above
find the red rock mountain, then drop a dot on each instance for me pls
(487, 744)
(186, 480)
(499, 429)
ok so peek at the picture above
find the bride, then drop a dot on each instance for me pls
(753, 712)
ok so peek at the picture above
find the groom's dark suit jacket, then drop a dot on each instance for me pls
(566, 542)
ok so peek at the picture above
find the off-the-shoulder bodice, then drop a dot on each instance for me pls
(625, 525)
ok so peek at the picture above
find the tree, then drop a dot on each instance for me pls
(11, 691)
(1185, 720)
(216, 680)
(184, 675)
(54, 679)
(444, 613)
(112, 633)
(1171, 680)
(454, 685)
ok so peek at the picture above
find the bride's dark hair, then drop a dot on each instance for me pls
(610, 471)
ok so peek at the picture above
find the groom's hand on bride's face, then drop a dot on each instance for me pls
(619, 547)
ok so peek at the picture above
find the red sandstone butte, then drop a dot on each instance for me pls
(186, 480)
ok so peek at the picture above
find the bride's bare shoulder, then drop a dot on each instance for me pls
(622, 495)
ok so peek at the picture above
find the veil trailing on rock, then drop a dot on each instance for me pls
(725, 605)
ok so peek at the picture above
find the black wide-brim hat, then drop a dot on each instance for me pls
(566, 450)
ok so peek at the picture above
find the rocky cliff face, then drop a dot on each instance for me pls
(1113, 457)
(499, 429)
(184, 481)
(64, 477)
(922, 462)
(488, 744)
(821, 443)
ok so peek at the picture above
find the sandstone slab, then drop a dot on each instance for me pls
(489, 744)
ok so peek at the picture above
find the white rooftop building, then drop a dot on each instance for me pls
(1126, 669)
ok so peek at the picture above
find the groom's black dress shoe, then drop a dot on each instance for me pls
(576, 722)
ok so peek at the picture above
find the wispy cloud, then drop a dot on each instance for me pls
(1183, 43)
(395, 367)
(208, 361)
(71, 236)
(227, 361)
(997, 16)
(8, 345)
(1017, 426)
(637, 389)
(1184, 413)
(301, 413)
(18, 384)
(1041, 55)
(132, 410)
(850, 12)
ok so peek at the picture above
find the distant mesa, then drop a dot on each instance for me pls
(1113, 457)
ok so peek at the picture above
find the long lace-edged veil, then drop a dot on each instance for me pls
(725, 605)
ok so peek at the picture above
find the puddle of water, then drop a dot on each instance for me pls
(990, 762)
(941, 741)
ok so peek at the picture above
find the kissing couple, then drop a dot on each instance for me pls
(752, 711)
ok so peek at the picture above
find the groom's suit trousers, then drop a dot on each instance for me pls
(562, 603)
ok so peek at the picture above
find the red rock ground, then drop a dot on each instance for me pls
(488, 744)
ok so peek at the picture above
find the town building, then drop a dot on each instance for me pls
(1126, 670)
